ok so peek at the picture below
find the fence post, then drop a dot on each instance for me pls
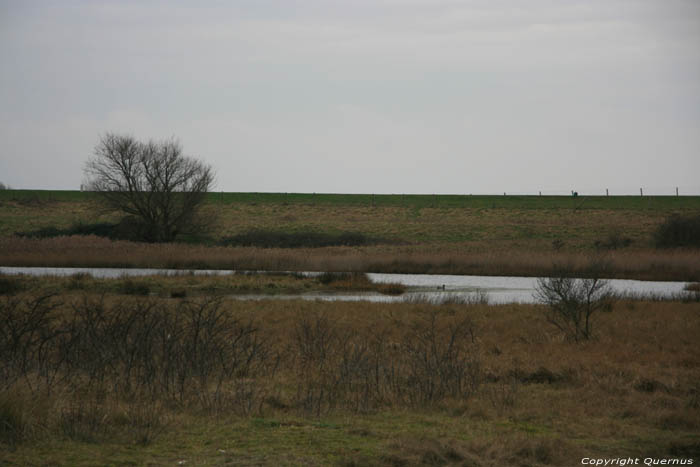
(641, 193)
(676, 191)
(606, 192)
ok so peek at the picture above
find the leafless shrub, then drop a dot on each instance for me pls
(571, 303)
(440, 361)
(343, 369)
(339, 369)
(144, 419)
(316, 343)
(503, 393)
(21, 416)
(139, 348)
(219, 349)
(83, 420)
(26, 331)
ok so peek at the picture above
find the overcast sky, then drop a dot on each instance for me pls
(362, 96)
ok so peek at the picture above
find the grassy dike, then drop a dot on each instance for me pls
(318, 383)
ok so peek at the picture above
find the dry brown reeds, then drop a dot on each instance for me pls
(99, 252)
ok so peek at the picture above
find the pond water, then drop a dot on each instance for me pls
(421, 287)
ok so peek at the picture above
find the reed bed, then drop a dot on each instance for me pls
(76, 251)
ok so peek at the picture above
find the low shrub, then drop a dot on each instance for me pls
(678, 231)
(391, 289)
(128, 228)
(131, 287)
(275, 239)
(346, 280)
(13, 421)
(330, 277)
(178, 293)
(9, 285)
(614, 241)
(571, 303)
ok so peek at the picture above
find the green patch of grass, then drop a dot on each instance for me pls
(398, 200)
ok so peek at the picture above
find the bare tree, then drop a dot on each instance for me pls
(154, 182)
(571, 302)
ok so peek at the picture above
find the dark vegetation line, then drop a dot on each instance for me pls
(127, 230)
(276, 239)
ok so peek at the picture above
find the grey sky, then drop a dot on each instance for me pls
(382, 96)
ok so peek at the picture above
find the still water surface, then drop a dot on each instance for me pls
(421, 287)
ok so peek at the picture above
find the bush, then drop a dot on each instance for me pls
(678, 231)
(9, 285)
(131, 287)
(329, 277)
(435, 360)
(272, 239)
(391, 289)
(571, 303)
(346, 280)
(613, 241)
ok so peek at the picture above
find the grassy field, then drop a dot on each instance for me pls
(402, 200)
(340, 383)
(495, 235)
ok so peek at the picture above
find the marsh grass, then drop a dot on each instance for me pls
(198, 285)
(357, 281)
(98, 252)
(478, 297)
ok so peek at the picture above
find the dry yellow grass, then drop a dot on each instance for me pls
(98, 252)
